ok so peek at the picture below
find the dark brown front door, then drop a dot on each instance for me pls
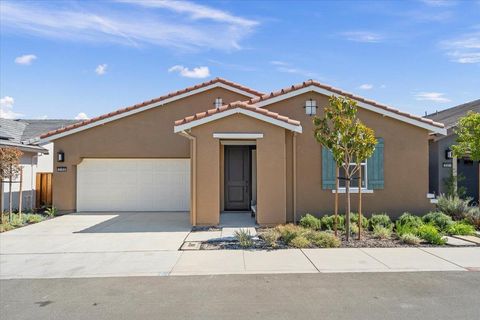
(237, 178)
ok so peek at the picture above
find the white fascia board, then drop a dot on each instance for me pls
(359, 103)
(228, 135)
(141, 109)
(223, 114)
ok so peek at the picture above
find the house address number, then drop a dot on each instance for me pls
(61, 169)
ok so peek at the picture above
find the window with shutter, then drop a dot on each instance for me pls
(375, 166)
(328, 169)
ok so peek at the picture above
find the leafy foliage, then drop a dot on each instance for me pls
(329, 221)
(382, 220)
(430, 234)
(354, 221)
(310, 222)
(289, 232)
(300, 242)
(454, 206)
(347, 137)
(323, 239)
(244, 238)
(473, 217)
(382, 232)
(438, 219)
(461, 229)
(408, 219)
(51, 212)
(410, 238)
(9, 163)
(468, 136)
(270, 236)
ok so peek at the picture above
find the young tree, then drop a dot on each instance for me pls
(349, 140)
(9, 170)
(468, 137)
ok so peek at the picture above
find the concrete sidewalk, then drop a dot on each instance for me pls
(205, 262)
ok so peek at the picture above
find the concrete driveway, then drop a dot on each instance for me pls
(97, 244)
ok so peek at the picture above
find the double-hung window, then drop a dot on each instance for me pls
(354, 182)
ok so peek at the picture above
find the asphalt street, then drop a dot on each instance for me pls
(419, 295)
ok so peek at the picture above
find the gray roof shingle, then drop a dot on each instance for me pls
(450, 116)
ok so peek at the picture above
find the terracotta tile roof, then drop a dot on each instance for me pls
(145, 103)
(235, 105)
(343, 93)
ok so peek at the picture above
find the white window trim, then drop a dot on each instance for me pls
(237, 135)
(352, 190)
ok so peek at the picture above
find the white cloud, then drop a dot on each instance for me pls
(363, 36)
(431, 96)
(190, 27)
(81, 116)
(195, 11)
(286, 67)
(440, 3)
(26, 59)
(197, 72)
(464, 49)
(101, 69)
(6, 108)
(366, 86)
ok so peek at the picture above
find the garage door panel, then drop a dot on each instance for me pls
(133, 185)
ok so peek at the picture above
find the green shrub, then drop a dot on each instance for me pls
(404, 229)
(6, 227)
(453, 206)
(323, 239)
(16, 221)
(409, 219)
(270, 236)
(430, 234)
(33, 218)
(328, 222)
(51, 212)
(438, 219)
(310, 222)
(382, 220)
(410, 238)
(354, 221)
(300, 242)
(354, 228)
(473, 217)
(244, 238)
(289, 232)
(461, 229)
(382, 232)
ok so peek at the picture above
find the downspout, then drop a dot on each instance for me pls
(193, 139)
(294, 170)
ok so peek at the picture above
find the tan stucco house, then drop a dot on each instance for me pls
(219, 146)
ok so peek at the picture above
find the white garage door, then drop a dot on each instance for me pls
(133, 185)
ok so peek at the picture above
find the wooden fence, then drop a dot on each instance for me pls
(43, 194)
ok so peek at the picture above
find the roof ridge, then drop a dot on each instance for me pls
(235, 105)
(316, 83)
(148, 102)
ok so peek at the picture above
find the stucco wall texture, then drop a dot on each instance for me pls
(149, 134)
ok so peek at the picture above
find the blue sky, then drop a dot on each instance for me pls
(63, 59)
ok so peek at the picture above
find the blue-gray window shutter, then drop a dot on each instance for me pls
(328, 169)
(375, 167)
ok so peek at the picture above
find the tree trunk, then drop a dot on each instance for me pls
(20, 195)
(10, 200)
(347, 216)
(360, 203)
(335, 222)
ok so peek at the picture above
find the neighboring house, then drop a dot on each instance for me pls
(35, 159)
(442, 165)
(216, 147)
